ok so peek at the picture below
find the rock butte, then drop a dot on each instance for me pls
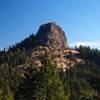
(51, 35)
(51, 39)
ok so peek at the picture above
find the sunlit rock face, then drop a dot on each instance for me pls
(51, 40)
(62, 59)
(51, 35)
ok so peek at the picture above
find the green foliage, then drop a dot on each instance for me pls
(81, 82)
(8, 82)
(87, 53)
(9, 59)
(27, 43)
(14, 58)
(42, 85)
(52, 83)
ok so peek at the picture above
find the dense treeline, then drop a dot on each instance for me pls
(27, 43)
(18, 53)
(81, 82)
(15, 55)
(89, 54)
(44, 84)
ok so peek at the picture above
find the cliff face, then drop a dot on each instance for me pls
(51, 35)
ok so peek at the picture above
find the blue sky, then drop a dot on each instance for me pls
(80, 19)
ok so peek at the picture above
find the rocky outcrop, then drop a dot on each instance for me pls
(63, 58)
(51, 39)
(51, 35)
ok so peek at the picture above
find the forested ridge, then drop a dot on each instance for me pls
(80, 82)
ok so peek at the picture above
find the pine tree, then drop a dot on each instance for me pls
(44, 84)
(49, 86)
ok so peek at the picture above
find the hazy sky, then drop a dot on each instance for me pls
(80, 19)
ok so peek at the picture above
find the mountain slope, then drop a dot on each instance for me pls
(22, 79)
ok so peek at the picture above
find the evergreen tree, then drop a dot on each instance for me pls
(44, 84)
(51, 87)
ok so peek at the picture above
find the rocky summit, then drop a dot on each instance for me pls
(51, 39)
(51, 35)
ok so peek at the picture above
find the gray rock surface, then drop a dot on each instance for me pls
(51, 35)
